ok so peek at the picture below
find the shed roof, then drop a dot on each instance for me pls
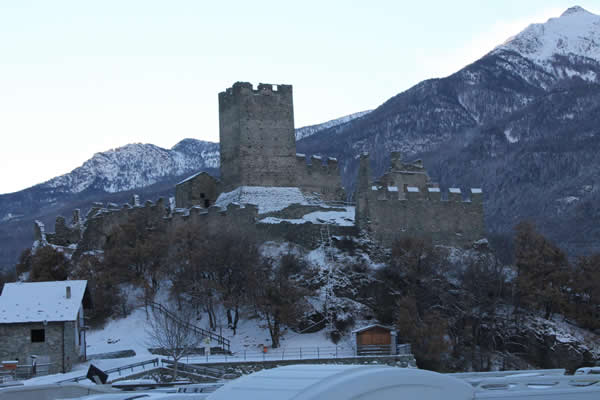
(366, 328)
(340, 382)
(41, 301)
(189, 178)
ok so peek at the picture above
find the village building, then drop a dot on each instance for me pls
(42, 323)
(375, 339)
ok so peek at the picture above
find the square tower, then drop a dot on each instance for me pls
(257, 139)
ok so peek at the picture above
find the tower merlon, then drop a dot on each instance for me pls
(434, 193)
(476, 195)
(412, 192)
(454, 194)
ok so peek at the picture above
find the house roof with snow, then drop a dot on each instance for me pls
(41, 301)
(366, 328)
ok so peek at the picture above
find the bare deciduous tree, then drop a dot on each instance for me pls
(169, 331)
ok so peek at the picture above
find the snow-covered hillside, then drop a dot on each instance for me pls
(575, 33)
(137, 165)
(310, 130)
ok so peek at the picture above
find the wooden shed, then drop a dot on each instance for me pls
(375, 339)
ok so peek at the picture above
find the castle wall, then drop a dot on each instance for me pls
(403, 174)
(256, 129)
(389, 212)
(102, 223)
(234, 218)
(320, 177)
(455, 221)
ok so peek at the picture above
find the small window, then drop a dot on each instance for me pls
(206, 203)
(38, 335)
(201, 195)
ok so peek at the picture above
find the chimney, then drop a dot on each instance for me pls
(68, 292)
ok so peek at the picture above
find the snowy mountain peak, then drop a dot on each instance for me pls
(575, 10)
(137, 165)
(575, 33)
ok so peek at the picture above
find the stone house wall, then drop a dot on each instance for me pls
(16, 344)
(198, 190)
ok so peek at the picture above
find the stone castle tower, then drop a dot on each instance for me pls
(258, 146)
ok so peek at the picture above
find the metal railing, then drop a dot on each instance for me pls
(195, 369)
(155, 363)
(25, 371)
(224, 342)
(290, 353)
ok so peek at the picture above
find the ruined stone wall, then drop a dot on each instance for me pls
(16, 344)
(401, 174)
(198, 190)
(452, 221)
(102, 222)
(390, 212)
(320, 177)
(257, 139)
(214, 219)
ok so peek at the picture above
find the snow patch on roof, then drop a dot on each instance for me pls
(40, 301)
(268, 199)
(454, 190)
(341, 218)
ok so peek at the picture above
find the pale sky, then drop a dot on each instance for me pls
(79, 77)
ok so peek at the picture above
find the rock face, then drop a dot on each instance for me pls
(521, 123)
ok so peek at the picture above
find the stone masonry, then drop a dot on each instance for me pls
(258, 149)
(416, 207)
(257, 139)
(60, 344)
(201, 189)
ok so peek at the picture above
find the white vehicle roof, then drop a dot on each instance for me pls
(341, 382)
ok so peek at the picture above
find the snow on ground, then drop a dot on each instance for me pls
(341, 218)
(268, 199)
(121, 334)
(248, 344)
(565, 332)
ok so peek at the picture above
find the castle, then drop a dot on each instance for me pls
(272, 193)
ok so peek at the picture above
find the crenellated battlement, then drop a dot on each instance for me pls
(429, 193)
(246, 89)
(319, 174)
